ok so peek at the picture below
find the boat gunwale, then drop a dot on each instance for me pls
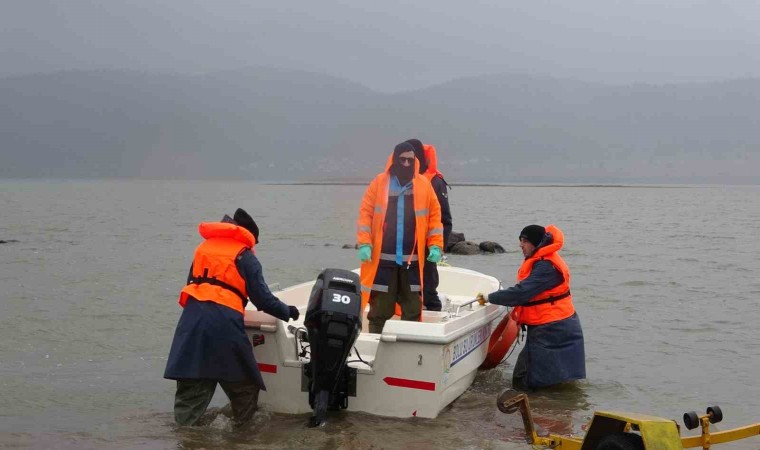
(446, 338)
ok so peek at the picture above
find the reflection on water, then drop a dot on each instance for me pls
(561, 409)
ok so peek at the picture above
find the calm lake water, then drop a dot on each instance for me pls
(665, 280)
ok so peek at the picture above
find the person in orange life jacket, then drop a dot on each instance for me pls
(210, 345)
(554, 351)
(428, 158)
(399, 224)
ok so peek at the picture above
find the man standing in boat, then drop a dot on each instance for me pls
(554, 350)
(210, 345)
(428, 158)
(399, 223)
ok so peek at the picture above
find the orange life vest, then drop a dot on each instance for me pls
(556, 303)
(428, 226)
(431, 157)
(215, 277)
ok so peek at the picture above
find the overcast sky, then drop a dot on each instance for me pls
(390, 45)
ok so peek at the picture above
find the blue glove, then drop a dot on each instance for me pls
(365, 253)
(434, 256)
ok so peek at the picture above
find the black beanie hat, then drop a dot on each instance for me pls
(244, 219)
(533, 234)
(419, 153)
(401, 148)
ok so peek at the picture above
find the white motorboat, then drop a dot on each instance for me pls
(411, 369)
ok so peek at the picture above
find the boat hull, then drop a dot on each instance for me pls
(411, 369)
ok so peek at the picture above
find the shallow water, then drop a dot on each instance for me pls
(665, 280)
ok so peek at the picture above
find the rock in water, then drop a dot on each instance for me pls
(465, 248)
(491, 247)
(454, 238)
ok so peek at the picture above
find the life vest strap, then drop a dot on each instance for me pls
(548, 299)
(220, 283)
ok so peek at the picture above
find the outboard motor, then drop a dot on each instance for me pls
(333, 322)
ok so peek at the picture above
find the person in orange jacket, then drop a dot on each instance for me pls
(554, 350)
(399, 224)
(428, 157)
(210, 345)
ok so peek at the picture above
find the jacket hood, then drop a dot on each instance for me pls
(419, 153)
(219, 230)
(389, 163)
(553, 241)
(431, 156)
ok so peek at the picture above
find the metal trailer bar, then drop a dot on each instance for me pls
(707, 439)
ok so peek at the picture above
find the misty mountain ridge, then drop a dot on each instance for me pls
(268, 124)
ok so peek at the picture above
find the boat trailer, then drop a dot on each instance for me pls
(610, 430)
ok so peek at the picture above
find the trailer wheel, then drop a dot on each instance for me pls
(503, 398)
(716, 415)
(691, 420)
(621, 441)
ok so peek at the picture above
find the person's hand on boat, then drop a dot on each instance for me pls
(481, 299)
(294, 313)
(434, 255)
(365, 253)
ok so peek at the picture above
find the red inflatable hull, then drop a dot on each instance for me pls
(500, 342)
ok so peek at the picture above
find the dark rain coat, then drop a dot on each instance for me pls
(210, 340)
(553, 353)
(430, 276)
(440, 187)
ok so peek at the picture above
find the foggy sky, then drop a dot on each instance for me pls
(390, 45)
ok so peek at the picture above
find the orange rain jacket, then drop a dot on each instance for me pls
(215, 277)
(429, 230)
(556, 303)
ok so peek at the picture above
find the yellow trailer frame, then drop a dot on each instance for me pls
(656, 433)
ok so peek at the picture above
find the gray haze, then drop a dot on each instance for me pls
(390, 45)
(278, 125)
(594, 91)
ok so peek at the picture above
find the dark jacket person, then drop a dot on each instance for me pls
(554, 350)
(428, 157)
(210, 345)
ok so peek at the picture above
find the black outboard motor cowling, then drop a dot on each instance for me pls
(333, 322)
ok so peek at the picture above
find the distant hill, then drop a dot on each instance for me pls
(276, 125)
